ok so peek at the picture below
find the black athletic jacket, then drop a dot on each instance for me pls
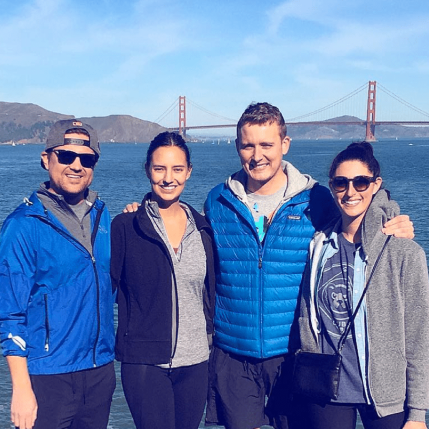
(142, 272)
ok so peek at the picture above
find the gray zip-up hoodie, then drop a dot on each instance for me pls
(397, 322)
(297, 182)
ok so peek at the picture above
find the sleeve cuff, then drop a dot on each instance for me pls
(416, 415)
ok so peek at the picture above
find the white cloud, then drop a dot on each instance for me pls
(48, 27)
(306, 10)
(334, 30)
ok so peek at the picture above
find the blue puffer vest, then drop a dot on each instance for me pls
(257, 284)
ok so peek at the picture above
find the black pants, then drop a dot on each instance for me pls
(161, 398)
(246, 393)
(77, 400)
(332, 416)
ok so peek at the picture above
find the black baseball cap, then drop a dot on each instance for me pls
(56, 136)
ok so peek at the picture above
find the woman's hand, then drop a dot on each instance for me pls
(400, 226)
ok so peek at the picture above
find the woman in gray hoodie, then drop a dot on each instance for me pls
(385, 358)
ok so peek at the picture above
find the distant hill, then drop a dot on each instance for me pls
(124, 128)
(30, 123)
(313, 132)
(28, 114)
(354, 132)
(27, 123)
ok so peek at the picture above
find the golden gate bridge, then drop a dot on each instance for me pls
(337, 108)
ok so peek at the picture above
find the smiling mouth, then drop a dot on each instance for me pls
(257, 166)
(351, 202)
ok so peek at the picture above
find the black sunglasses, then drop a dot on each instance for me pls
(67, 157)
(360, 183)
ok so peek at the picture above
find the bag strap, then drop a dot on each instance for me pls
(352, 318)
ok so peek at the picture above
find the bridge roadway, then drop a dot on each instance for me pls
(416, 123)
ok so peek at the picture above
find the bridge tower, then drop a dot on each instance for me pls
(370, 112)
(182, 116)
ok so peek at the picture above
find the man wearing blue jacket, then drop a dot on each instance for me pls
(56, 313)
(263, 218)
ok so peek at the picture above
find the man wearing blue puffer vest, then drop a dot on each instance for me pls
(263, 218)
(56, 313)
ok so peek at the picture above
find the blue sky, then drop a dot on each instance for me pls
(96, 58)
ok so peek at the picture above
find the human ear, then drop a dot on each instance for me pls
(44, 159)
(377, 185)
(146, 169)
(285, 145)
(188, 175)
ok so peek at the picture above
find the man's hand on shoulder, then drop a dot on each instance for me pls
(131, 208)
(400, 226)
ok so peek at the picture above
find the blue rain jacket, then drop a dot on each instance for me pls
(56, 298)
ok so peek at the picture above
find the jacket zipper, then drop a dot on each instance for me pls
(97, 281)
(367, 358)
(174, 338)
(166, 252)
(283, 205)
(45, 296)
(261, 251)
(261, 299)
(98, 312)
(368, 396)
(93, 236)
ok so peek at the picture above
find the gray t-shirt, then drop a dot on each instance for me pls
(335, 307)
(263, 208)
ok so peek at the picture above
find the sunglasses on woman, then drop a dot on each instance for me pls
(67, 157)
(360, 183)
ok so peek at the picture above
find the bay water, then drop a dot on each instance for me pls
(119, 178)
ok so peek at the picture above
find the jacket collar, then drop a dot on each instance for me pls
(90, 196)
(145, 224)
(36, 208)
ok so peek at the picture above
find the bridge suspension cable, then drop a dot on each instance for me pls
(209, 112)
(335, 103)
(167, 112)
(402, 101)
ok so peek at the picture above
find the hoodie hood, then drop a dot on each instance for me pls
(381, 210)
(297, 182)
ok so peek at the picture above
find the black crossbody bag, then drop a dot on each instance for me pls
(317, 375)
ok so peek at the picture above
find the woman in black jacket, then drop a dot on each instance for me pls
(162, 266)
